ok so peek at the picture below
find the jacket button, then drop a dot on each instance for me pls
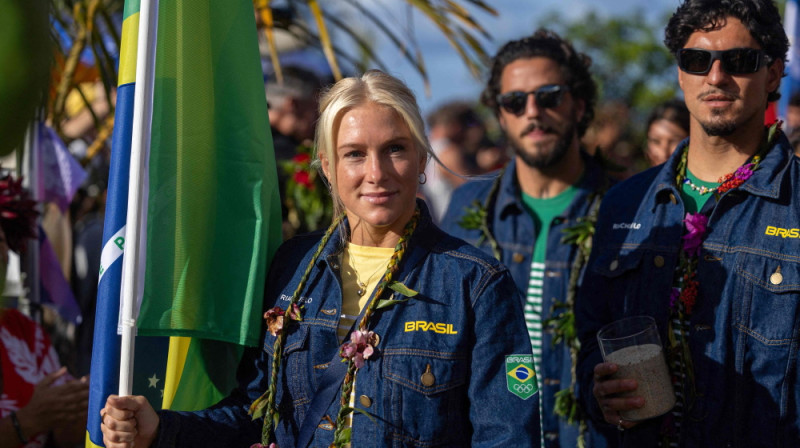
(365, 401)
(776, 278)
(658, 261)
(377, 339)
(518, 257)
(614, 265)
(427, 378)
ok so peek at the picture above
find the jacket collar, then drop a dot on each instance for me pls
(509, 197)
(425, 237)
(766, 180)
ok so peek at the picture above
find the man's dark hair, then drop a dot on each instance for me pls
(459, 112)
(547, 44)
(760, 17)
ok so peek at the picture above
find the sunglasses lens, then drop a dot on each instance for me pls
(740, 61)
(513, 102)
(694, 61)
(737, 61)
(549, 96)
(546, 97)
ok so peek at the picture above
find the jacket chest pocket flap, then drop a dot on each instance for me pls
(613, 263)
(295, 340)
(424, 371)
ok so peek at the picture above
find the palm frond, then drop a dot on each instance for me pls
(324, 38)
(265, 12)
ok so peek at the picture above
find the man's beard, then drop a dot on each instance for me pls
(718, 125)
(719, 128)
(543, 158)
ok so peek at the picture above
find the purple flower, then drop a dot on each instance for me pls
(673, 297)
(744, 172)
(294, 312)
(360, 347)
(695, 230)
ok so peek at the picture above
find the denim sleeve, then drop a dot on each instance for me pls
(591, 313)
(498, 417)
(226, 424)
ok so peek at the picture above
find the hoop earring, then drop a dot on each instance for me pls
(422, 178)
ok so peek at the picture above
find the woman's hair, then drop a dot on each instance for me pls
(374, 86)
(674, 111)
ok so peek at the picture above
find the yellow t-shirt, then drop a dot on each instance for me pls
(362, 269)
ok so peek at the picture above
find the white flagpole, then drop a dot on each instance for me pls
(140, 149)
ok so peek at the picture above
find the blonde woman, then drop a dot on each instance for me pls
(384, 330)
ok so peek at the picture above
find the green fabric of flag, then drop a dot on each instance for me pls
(213, 212)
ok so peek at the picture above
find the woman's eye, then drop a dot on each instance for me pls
(396, 148)
(353, 154)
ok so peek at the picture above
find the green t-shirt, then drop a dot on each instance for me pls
(692, 199)
(543, 211)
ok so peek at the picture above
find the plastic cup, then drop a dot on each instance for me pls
(634, 346)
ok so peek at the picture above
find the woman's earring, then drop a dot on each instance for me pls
(422, 178)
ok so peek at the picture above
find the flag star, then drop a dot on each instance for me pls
(162, 394)
(153, 381)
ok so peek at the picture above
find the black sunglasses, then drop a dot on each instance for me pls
(737, 61)
(546, 97)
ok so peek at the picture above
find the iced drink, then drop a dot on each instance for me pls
(646, 365)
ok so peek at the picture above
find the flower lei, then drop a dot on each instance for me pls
(360, 347)
(695, 224)
(683, 295)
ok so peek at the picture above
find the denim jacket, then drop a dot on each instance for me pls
(745, 328)
(474, 329)
(513, 228)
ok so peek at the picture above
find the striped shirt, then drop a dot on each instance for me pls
(542, 211)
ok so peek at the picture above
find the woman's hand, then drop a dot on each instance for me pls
(128, 421)
(606, 391)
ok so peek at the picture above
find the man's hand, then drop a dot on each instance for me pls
(128, 421)
(606, 391)
(51, 405)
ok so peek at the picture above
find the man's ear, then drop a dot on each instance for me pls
(580, 109)
(774, 75)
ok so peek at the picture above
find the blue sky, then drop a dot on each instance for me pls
(450, 80)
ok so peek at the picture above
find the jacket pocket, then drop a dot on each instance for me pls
(294, 392)
(426, 397)
(766, 317)
(770, 301)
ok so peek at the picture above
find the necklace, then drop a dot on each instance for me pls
(362, 285)
(701, 190)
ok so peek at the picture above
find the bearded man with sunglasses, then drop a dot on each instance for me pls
(707, 244)
(543, 95)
